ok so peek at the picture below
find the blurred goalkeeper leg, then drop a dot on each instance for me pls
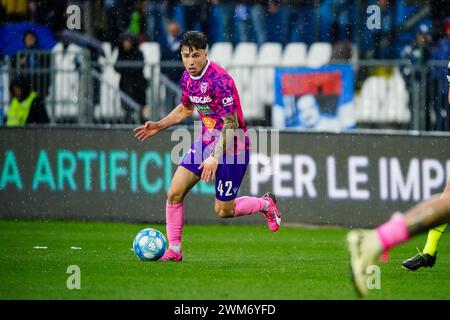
(366, 246)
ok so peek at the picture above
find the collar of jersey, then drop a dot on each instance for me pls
(204, 71)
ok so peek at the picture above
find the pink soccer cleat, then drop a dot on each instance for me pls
(273, 215)
(171, 255)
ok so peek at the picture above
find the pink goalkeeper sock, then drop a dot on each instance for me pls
(248, 205)
(393, 232)
(174, 223)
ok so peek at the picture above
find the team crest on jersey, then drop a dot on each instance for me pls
(203, 87)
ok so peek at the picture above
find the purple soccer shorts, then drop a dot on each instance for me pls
(229, 174)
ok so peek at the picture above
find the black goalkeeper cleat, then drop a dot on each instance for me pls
(420, 260)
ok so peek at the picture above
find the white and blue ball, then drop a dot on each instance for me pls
(149, 244)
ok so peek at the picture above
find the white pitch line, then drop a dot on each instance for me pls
(40, 247)
(75, 248)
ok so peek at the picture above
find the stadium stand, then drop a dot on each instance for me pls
(269, 56)
(66, 82)
(110, 105)
(221, 53)
(244, 56)
(294, 54)
(319, 54)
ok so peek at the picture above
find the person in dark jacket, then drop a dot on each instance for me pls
(33, 62)
(26, 106)
(132, 80)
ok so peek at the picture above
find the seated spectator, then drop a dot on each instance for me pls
(132, 80)
(26, 106)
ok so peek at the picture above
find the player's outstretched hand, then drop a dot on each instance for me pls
(149, 129)
(209, 169)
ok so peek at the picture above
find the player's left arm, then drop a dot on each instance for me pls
(228, 112)
(210, 165)
(230, 124)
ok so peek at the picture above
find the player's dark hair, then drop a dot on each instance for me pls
(194, 40)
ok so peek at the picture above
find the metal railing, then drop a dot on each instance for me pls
(389, 94)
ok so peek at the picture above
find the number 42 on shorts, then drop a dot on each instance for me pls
(228, 186)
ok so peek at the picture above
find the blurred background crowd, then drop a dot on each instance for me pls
(258, 21)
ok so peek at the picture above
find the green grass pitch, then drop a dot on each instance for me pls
(220, 262)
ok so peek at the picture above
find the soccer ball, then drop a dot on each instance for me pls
(149, 244)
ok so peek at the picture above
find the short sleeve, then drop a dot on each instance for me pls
(226, 97)
(185, 100)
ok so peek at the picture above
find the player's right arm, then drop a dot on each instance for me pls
(177, 115)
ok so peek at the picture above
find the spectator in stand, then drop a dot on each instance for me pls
(301, 20)
(196, 12)
(385, 37)
(343, 20)
(277, 21)
(242, 16)
(16, 10)
(258, 14)
(118, 14)
(170, 51)
(49, 13)
(442, 52)
(33, 63)
(159, 12)
(26, 106)
(132, 80)
(251, 15)
(137, 21)
(227, 19)
(418, 52)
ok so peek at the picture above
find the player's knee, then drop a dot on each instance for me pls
(174, 196)
(224, 212)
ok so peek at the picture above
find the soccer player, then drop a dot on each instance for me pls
(366, 246)
(210, 89)
(427, 257)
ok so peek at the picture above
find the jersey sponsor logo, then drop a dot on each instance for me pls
(203, 108)
(203, 87)
(209, 122)
(227, 101)
(201, 100)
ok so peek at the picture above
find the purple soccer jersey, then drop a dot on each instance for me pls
(215, 95)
